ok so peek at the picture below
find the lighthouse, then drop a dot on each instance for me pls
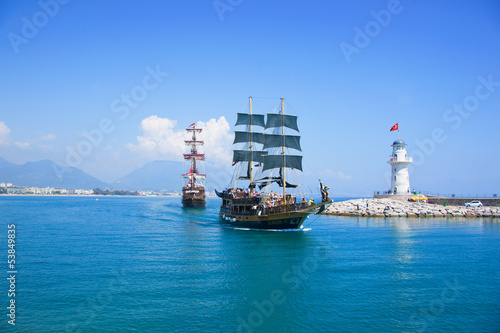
(399, 161)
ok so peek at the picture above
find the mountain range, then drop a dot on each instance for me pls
(46, 173)
(154, 176)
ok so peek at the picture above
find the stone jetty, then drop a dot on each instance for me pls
(399, 208)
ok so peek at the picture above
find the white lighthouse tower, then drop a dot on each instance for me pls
(399, 161)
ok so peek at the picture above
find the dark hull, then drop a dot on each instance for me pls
(191, 202)
(245, 212)
(193, 197)
(278, 221)
(292, 221)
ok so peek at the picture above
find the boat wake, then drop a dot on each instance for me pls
(270, 230)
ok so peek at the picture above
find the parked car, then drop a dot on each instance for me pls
(475, 203)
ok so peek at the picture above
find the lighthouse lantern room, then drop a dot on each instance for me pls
(399, 161)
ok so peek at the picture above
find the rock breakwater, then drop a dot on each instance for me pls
(398, 208)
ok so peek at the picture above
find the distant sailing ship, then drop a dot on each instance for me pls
(193, 193)
(251, 208)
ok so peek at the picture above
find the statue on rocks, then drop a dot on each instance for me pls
(324, 191)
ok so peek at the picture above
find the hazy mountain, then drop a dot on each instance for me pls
(166, 176)
(46, 173)
(4, 163)
(155, 176)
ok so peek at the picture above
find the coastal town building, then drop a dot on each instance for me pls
(16, 190)
(399, 161)
(8, 189)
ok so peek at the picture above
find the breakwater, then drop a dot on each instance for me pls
(399, 208)
(439, 200)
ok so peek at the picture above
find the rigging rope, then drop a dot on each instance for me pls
(309, 224)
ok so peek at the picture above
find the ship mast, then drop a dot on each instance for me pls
(249, 137)
(251, 162)
(193, 157)
(281, 159)
(283, 149)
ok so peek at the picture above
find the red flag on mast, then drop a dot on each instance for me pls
(192, 125)
(395, 128)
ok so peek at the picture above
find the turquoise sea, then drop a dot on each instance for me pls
(122, 264)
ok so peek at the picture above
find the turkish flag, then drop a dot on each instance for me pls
(395, 128)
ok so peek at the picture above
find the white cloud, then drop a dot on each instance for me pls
(47, 137)
(4, 134)
(159, 140)
(22, 145)
(5, 140)
(218, 140)
(162, 140)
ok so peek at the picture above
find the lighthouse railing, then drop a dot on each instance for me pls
(393, 158)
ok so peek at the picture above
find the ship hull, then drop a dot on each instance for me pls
(244, 212)
(292, 218)
(193, 203)
(280, 221)
(193, 197)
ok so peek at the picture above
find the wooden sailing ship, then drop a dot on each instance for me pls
(256, 206)
(193, 192)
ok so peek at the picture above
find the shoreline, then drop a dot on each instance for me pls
(85, 195)
(399, 208)
(97, 195)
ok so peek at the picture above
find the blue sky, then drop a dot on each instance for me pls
(349, 70)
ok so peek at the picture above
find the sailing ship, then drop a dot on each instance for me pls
(256, 207)
(193, 192)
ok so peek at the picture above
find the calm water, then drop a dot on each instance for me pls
(147, 265)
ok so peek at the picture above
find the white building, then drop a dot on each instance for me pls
(60, 190)
(399, 161)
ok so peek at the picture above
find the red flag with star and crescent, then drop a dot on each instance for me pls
(395, 127)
